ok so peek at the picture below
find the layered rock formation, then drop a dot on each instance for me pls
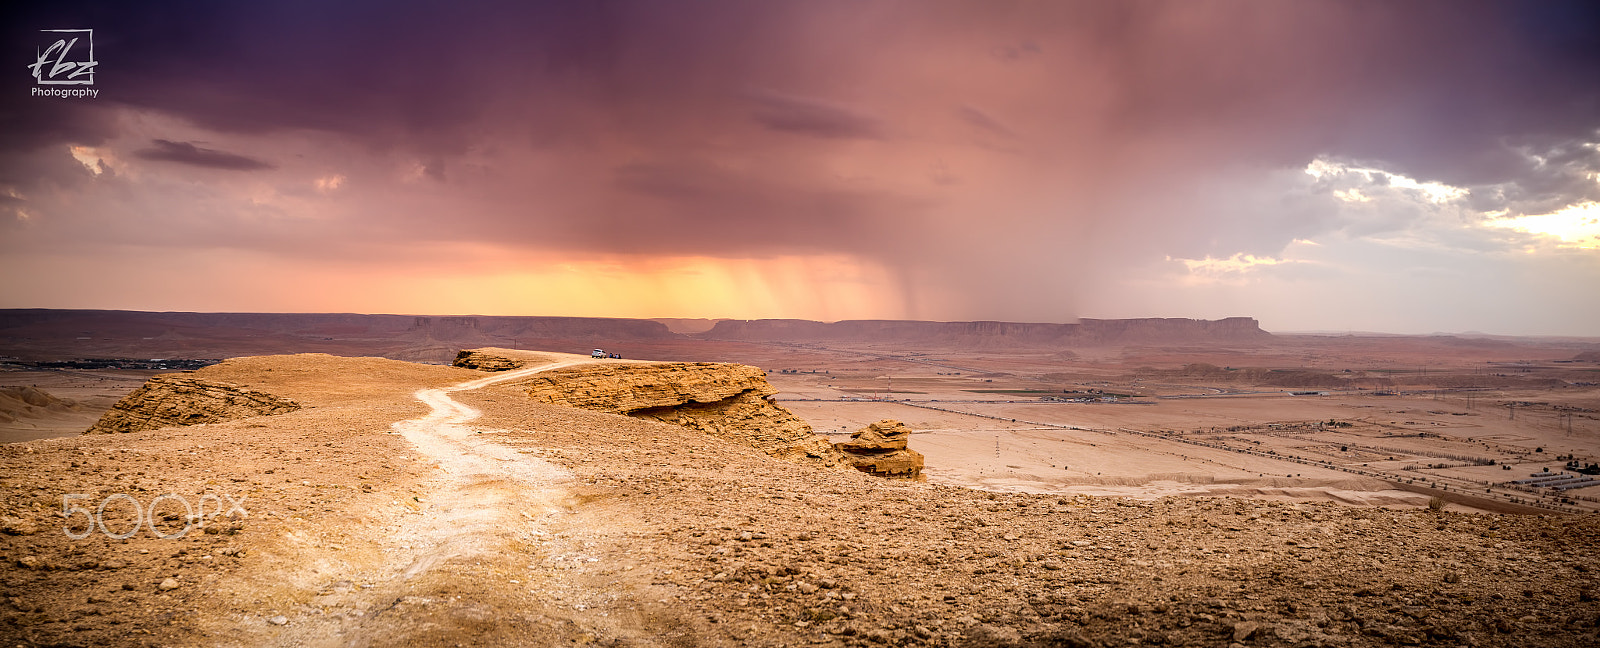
(752, 420)
(728, 401)
(624, 388)
(880, 449)
(483, 360)
(173, 399)
(1087, 332)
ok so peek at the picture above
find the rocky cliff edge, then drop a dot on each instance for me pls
(175, 399)
(724, 400)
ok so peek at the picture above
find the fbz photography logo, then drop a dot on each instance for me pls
(65, 57)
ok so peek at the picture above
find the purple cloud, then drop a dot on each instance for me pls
(188, 153)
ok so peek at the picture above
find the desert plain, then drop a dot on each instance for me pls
(1271, 489)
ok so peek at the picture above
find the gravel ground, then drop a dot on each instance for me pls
(656, 535)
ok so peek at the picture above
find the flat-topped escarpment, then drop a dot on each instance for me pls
(45, 334)
(174, 399)
(1087, 332)
(724, 400)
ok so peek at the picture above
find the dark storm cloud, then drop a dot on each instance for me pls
(188, 153)
(984, 121)
(1435, 88)
(1017, 51)
(699, 208)
(391, 73)
(814, 117)
(1432, 88)
(1543, 180)
(28, 128)
(1126, 130)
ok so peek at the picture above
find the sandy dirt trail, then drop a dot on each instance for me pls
(487, 480)
(459, 558)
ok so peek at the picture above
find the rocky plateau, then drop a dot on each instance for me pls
(652, 534)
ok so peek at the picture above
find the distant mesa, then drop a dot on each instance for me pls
(72, 324)
(45, 334)
(1088, 332)
(1587, 356)
(880, 449)
(687, 326)
(173, 399)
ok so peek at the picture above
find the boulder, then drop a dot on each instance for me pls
(880, 449)
(882, 436)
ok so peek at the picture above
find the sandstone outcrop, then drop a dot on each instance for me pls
(880, 449)
(173, 399)
(485, 361)
(624, 388)
(754, 421)
(724, 400)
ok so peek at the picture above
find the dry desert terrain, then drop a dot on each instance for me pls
(1161, 495)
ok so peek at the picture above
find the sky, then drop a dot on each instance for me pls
(1336, 165)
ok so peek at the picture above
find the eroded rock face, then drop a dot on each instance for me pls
(628, 388)
(724, 400)
(880, 449)
(173, 399)
(754, 421)
(483, 361)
